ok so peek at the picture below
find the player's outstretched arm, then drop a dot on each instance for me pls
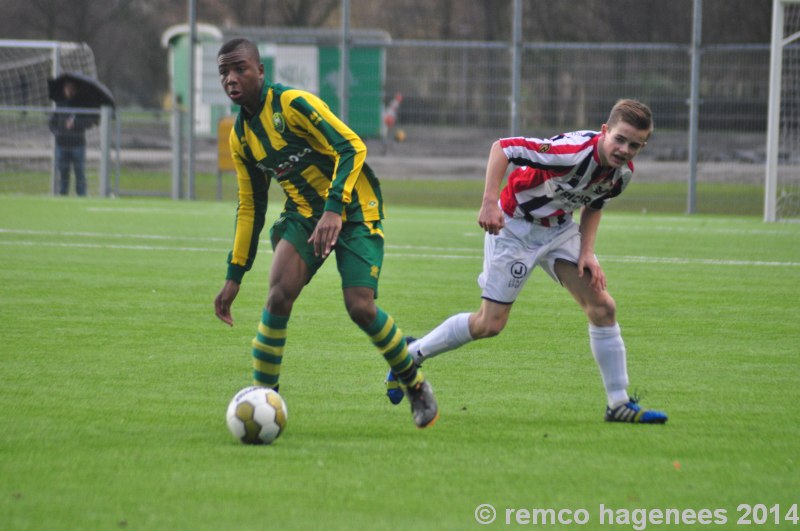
(590, 222)
(490, 217)
(224, 301)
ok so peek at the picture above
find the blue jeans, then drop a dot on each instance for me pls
(74, 156)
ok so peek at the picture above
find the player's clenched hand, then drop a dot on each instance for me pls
(224, 300)
(326, 233)
(491, 218)
(598, 277)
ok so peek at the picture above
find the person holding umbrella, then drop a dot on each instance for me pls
(71, 91)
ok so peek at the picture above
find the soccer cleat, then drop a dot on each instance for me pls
(423, 404)
(393, 389)
(632, 412)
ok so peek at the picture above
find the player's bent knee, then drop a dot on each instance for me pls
(280, 300)
(602, 313)
(362, 316)
(361, 312)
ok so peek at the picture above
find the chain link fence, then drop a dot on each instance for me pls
(456, 100)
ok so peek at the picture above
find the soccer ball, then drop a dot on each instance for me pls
(256, 415)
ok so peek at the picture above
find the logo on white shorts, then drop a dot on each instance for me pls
(518, 270)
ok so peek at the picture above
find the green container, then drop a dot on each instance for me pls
(293, 50)
(365, 109)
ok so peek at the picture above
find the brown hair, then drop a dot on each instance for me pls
(632, 112)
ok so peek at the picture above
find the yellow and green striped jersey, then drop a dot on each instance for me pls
(319, 162)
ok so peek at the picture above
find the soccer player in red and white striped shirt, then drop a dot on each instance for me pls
(529, 223)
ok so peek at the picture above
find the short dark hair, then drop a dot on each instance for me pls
(631, 112)
(237, 43)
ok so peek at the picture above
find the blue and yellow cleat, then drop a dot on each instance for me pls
(393, 389)
(632, 412)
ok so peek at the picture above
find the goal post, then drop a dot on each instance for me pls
(782, 182)
(27, 152)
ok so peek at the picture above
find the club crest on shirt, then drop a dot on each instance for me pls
(278, 122)
(603, 188)
(544, 148)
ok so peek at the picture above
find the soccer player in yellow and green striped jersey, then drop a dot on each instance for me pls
(333, 204)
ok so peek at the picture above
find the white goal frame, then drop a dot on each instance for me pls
(62, 57)
(774, 109)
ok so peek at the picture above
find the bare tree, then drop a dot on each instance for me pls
(307, 13)
(125, 34)
(293, 13)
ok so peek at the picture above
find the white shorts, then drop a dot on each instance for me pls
(510, 257)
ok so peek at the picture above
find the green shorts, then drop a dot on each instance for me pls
(359, 249)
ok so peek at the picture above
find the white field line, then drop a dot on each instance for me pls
(699, 261)
(405, 251)
(477, 233)
(704, 230)
(61, 233)
(67, 245)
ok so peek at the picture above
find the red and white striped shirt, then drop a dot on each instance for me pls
(557, 176)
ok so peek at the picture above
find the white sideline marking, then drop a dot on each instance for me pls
(414, 250)
(227, 241)
(110, 246)
(703, 230)
(146, 210)
(607, 226)
(111, 235)
(608, 258)
(703, 261)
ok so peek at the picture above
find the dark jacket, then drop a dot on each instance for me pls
(69, 127)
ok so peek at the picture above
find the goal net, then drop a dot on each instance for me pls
(782, 189)
(26, 144)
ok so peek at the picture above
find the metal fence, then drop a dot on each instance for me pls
(457, 98)
(574, 85)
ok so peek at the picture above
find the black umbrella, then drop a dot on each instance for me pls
(90, 93)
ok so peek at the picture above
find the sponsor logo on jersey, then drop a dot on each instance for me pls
(284, 167)
(576, 200)
(269, 172)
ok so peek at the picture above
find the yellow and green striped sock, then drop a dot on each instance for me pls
(390, 342)
(268, 349)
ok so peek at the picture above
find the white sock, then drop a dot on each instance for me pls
(449, 335)
(609, 353)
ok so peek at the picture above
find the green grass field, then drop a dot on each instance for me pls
(116, 376)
